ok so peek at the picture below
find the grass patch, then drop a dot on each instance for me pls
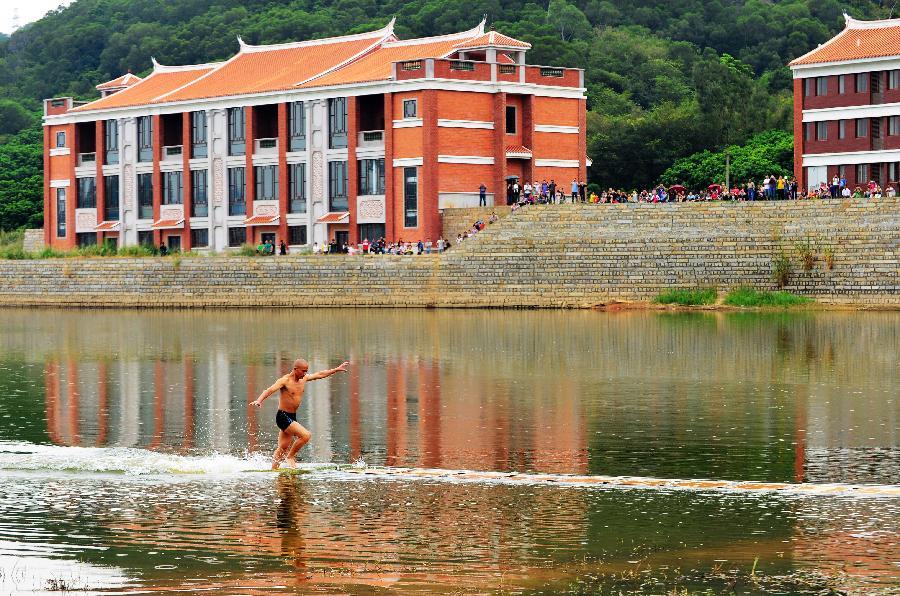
(693, 297)
(753, 297)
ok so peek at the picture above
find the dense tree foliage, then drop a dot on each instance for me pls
(22, 180)
(665, 79)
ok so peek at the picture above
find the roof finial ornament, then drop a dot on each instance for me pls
(482, 24)
(243, 44)
(156, 64)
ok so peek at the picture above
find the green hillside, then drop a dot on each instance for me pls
(665, 79)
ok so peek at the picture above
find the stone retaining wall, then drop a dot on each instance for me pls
(541, 256)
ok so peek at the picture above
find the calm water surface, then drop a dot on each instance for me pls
(126, 444)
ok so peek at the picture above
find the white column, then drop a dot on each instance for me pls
(217, 149)
(128, 181)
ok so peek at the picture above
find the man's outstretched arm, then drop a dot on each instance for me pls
(323, 374)
(262, 396)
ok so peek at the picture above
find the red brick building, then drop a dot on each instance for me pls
(349, 137)
(847, 107)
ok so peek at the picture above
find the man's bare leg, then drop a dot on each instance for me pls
(284, 442)
(302, 438)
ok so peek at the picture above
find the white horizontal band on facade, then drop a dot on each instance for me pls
(850, 158)
(59, 183)
(466, 159)
(408, 123)
(370, 153)
(444, 123)
(852, 112)
(556, 163)
(404, 162)
(265, 160)
(827, 69)
(57, 151)
(570, 130)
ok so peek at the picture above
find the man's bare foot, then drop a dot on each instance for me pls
(290, 462)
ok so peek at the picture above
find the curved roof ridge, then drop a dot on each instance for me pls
(382, 33)
(461, 36)
(851, 23)
(157, 67)
(388, 33)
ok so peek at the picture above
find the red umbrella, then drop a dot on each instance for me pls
(677, 188)
(716, 187)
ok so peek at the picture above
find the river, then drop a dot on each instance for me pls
(128, 451)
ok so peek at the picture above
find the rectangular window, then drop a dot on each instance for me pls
(510, 120)
(411, 65)
(296, 235)
(297, 198)
(198, 135)
(821, 85)
(237, 204)
(85, 239)
(199, 238)
(297, 127)
(821, 131)
(337, 186)
(237, 237)
(862, 173)
(111, 141)
(842, 129)
(875, 80)
(551, 72)
(145, 138)
(337, 123)
(807, 131)
(894, 125)
(892, 171)
(842, 84)
(61, 139)
(145, 237)
(236, 132)
(145, 196)
(876, 128)
(808, 87)
(87, 193)
(461, 65)
(893, 79)
(410, 108)
(60, 212)
(410, 197)
(371, 176)
(199, 193)
(507, 69)
(862, 82)
(172, 190)
(111, 198)
(266, 183)
(862, 127)
(842, 171)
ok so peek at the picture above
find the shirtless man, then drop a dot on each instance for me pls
(292, 386)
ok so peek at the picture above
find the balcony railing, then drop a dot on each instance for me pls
(172, 153)
(265, 147)
(87, 159)
(371, 138)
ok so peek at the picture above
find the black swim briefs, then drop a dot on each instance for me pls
(283, 419)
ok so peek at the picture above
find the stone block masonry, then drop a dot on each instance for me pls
(555, 256)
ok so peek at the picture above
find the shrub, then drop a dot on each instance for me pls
(247, 250)
(753, 297)
(781, 270)
(684, 297)
(828, 255)
(807, 253)
(138, 251)
(14, 253)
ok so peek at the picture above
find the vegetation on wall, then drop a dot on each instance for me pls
(665, 79)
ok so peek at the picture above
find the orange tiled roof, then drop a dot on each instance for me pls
(164, 224)
(518, 151)
(334, 217)
(376, 66)
(163, 79)
(859, 40)
(126, 80)
(258, 220)
(107, 225)
(494, 39)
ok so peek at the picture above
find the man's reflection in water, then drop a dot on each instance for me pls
(290, 518)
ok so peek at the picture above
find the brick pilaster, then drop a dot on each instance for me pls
(499, 182)
(798, 134)
(582, 140)
(72, 195)
(186, 180)
(527, 140)
(50, 214)
(352, 166)
(389, 199)
(283, 179)
(100, 157)
(429, 217)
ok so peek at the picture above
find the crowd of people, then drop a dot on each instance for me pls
(771, 188)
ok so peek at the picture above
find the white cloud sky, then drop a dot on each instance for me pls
(28, 10)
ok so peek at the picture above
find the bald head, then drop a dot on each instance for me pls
(301, 367)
